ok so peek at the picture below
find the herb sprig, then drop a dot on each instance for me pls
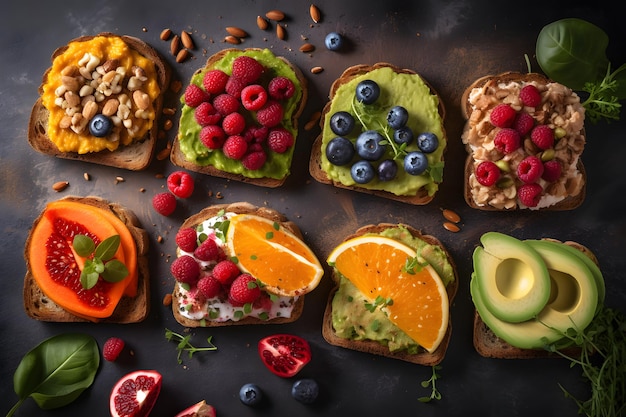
(184, 344)
(432, 383)
(99, 260)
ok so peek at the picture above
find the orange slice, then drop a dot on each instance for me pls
(273, 255)
(415, 301)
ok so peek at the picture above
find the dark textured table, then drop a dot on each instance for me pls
(450, 43)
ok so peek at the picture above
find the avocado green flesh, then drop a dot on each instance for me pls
(277, 165)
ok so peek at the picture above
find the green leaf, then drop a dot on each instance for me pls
(88, 279)
(107, 248)
(114, 271)
(57, 371)
(83, 245)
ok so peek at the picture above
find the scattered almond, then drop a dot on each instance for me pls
(232, 40)
(316, 70)
(307, 47)
(167, 300)
(280, 32)
(175, 45)
(60, 186)
(261, 23)
(165, 34)
(451, 216)
(167, 125)
(237, 32)
(119, 179)
(182, 55)
(187, 41)
(275, 15)
(315, 13)
(86, 176)
(451, 227)
(169, 111)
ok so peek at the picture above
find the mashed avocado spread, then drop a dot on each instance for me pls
(352, 320)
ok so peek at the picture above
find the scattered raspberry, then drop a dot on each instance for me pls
(235, 86)
(253, 97)
(502, 115)
(206, 114)
(254, 160)
(180, 183)
(279, 140)
(185, 269)
(551, 170)
(208, 251)
(194, 95)
(256, 134)
(487, 173)
(524, 123)
(233, 124)
(542, 136)
(530, 96)
(187, 239)
(225, 104)
(529, 194)
(281, 88)
(112, 348)
(235, 147)
(226, 271)
(507, 140)
(244, 289)
(264, 302)
(530, 169)
(164, 203)
(214, 81)
(209, 286)
(271, 114)
(247, 68)
(212, 136)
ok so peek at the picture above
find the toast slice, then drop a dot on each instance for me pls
(422, 196)
(129, 310)
(178, 157)
(485, 93)
(370, 346)
(238, 208)
(136, 156)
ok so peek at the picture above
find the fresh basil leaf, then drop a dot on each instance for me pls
(88, 276)
(83, 245)
(107, 248)
(114, 271)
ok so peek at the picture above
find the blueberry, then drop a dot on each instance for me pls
(100, 126)
(333, 41)
(362, 172)
(403, 135)
(250, 394)
(397, 117)
(415, 163)
(367, 91)
(305, 390)
(387, 170)
(427, 142)
(339, 151)
(341, 123)
(369, 145)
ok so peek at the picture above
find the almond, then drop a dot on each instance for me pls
(307, 47)
(261, 23)
(315, 13)
(280, 32)
(182, 55)
(237, 32)
(187, 41)
(175, 45)
(60, 186)
(275, 15)
(232, 40)
(316, 70)
(165, 34)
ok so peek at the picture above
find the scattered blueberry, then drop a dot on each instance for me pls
(341, 123)
(362, 172)
(369, 145)
(403, 135)
(250, 394)
(415, 163)
(339, 151)
(333, 41)
(367, 91)
(100, 126)
(427, 142)
(305, 390)
(397, 117)
(387, 170)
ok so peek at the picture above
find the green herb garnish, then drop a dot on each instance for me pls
(432, 383)
(184, 344)
(99, 260)
(380, 301)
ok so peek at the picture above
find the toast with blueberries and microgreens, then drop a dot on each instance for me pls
(241, 264)
(382, 134)
(239, 117)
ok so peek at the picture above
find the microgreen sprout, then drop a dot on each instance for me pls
(432, 383)
(184, 344)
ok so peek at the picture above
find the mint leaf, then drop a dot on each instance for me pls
(114, 271)
(83, 245)
(107, 248)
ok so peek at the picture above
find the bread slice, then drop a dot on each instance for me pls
(369, 346)
(239, 208)
(136, 156)
(571, 201)
(129, 310)
(178, 157)
(315, 162)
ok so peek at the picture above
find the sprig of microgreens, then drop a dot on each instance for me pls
(380, 301)
(602, 103)
(99, 260)
(414, 265)
(399, 151)
(432, 383)
(184, 345)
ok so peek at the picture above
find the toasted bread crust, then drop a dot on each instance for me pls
(315, 161)
(129, 310)
(178, 157)
(134, 157)
(373, 347)
(239, 208)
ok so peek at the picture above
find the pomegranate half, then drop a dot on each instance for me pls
(135, 394)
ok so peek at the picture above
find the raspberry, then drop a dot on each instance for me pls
(225, 104)
(208, 251)
(233, 124)
(551, 170)
(164, 203)
(187, 239)
(264, 302)
(212, 136)
(529, 194)
(487, 173)
(226, 271)
(530, 169)
(185, 269)
(271, 114)
(256, 134)
(507, 140)
(235, 147)
(180, 183)
(206, 114)
(542, 136)
(530, 96)
(112, 348)
(502, 115)
(209, 286)
(254, 160)
(194, 95)
(253, 97)
(244, 289)
(279, 140)
(524, 123)
(281, 88)
(235, 86)
(247, 69)
(214, 81)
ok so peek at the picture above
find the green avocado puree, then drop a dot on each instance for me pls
(409, 91)
(352, 320)
(277, 165)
